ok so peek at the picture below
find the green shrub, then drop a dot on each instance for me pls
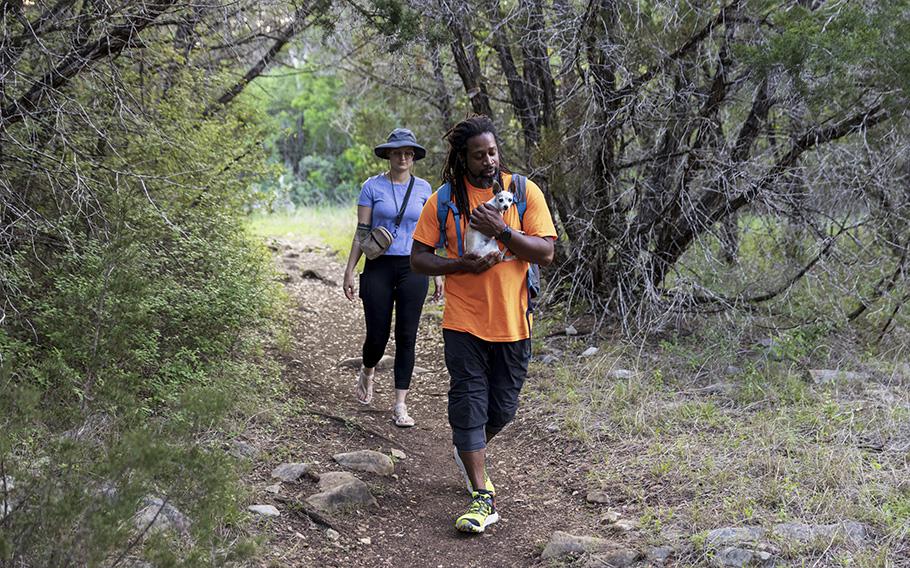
(136, 324)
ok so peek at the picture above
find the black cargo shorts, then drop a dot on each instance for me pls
(485, 380)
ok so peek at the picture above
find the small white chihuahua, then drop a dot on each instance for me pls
(475, 241)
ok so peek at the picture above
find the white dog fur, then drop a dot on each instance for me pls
(478, 243)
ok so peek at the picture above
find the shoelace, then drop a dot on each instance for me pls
(482, 505)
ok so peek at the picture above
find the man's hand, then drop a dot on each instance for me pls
(475, 263)
(487, 220)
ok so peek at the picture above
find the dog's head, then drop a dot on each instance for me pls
(502, 201)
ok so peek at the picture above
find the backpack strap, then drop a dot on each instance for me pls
(520, 196)
(444, 204)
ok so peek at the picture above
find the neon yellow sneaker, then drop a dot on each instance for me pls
(481, 513)
(467, 480)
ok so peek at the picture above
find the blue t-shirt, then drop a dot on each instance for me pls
(385, 198)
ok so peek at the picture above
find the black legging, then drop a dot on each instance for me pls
(385, 281)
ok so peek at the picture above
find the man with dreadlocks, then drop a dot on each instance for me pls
(486, 323)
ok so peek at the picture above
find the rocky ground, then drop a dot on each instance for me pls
(418, 493)
(337, 484)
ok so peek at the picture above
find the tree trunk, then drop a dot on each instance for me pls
(729, 238)
(518, 91)
(468, 65)
(541, 87)
(442, 91)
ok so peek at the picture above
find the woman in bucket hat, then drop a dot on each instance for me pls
(393, 200)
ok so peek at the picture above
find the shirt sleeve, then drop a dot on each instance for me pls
(537, 221)
(366, 194)
(427, 231)
(427, 191)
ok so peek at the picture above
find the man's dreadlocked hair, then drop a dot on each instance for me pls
(455, 166)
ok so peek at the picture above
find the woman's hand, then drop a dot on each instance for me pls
(439, 292)
(348, 285)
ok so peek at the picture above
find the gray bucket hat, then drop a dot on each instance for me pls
(400, 138)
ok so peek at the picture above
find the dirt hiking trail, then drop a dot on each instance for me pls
(539, 476)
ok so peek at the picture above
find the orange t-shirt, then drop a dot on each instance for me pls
(490, 305)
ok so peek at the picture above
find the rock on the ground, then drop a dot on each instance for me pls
(243, 450)
(562, 545)
(717, 388)
(609, 518)
(398, 454)
(332, 479)
(589, 352)
(822, 376)
(351, 363)
(351, 494)
(739, 557)
(570, 330)
(365, 540)
(386, 362)
(264, 510)
(734, 535)
(621, 374)
(419, 371)
(366, 460)
(800, 534)
(289, 472)
(659, 554)
(618, 558)
(158, 516)
(549, 359)
(310, 274)
(598, 496)
(332, 534)
(625, 525)
(276, 488)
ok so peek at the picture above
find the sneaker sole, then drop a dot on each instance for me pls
(469, 527)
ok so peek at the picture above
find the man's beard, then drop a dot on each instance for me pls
(487, 180)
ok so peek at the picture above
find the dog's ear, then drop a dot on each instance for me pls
(496, 187)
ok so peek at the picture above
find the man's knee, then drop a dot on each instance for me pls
(469, 440)
(497, 420)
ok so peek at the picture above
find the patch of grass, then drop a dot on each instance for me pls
(333, 225)
(711, 431)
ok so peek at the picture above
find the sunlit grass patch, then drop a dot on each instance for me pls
(333, 225)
